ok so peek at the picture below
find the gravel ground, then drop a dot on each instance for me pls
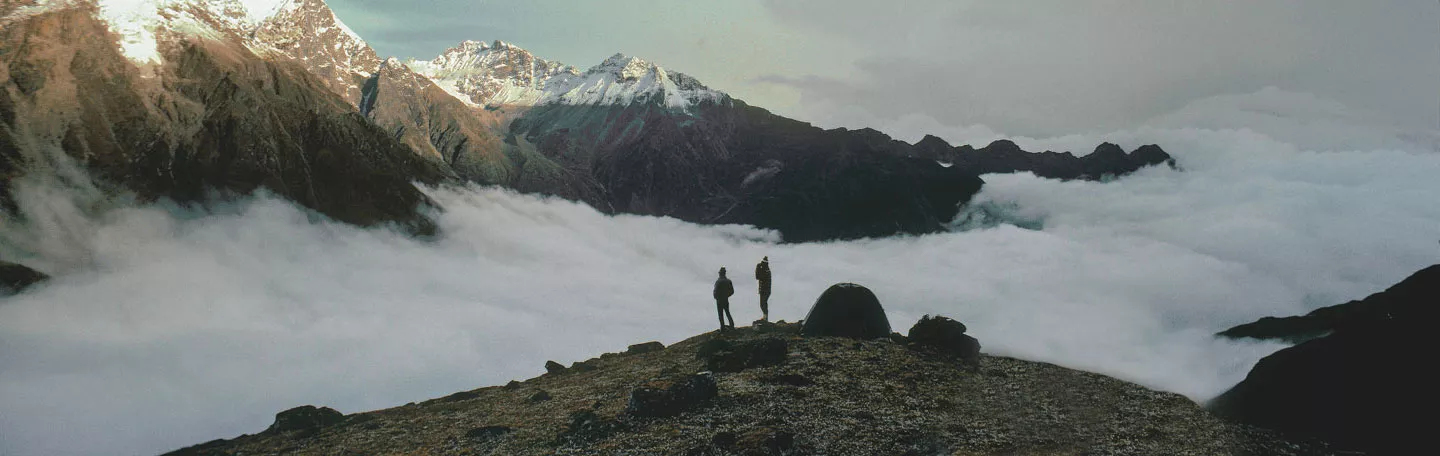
(828, 396)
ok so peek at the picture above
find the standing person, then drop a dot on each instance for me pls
(762, 274)
(723, 290)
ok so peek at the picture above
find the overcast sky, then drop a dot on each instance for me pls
(1033, 68)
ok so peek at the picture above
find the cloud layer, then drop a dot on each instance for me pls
(170, 326)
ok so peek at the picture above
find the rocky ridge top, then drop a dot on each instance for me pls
(764, 390)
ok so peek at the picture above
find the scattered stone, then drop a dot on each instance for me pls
(765, 352)
(711, 347)
(671, 370)
(944, 336)
(923, 444)
(585, 426)
(487, 433)
(665, 399)
(552, 367)
(847, 310)
(648, 347)
(15, 278)
(305, 419)
(778, 327)
(539, 396)
(725, 356)
(765, 441)
(790, 379)
(724, 439)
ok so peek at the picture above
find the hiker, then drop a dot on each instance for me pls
(762, 274)
(723, 290)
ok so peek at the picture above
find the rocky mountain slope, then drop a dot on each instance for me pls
(1362, 384)
(187, 96)
(15, 278)
(206, 111)
(765, 390)
(1405, 298)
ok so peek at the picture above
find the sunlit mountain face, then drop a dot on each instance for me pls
(241, 206)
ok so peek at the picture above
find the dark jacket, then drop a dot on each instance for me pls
(762, 274)
(723, 288)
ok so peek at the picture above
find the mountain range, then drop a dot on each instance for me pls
(190, 99)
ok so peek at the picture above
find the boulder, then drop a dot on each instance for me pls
(665, 399)
(539, 396)
(487, 433)
(765, 441)
(724, 440)
(726, 356)
(760, 441)
(552, 367)
(15, 278)
(789, 379)
(847, 310)
(586, 427)
(944, 336)
(305, 419)
(778, 327)
(647, 347)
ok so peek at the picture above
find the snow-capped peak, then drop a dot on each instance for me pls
(493, 74)
(499, 74)
(625, 67)
(139, 21)
(472, 46)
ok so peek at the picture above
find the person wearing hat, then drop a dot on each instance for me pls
(723, 290)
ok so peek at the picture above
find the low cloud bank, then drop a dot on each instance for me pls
(170, 326)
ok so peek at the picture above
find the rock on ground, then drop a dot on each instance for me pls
(15, 278)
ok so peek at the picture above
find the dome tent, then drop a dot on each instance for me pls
(847, 310)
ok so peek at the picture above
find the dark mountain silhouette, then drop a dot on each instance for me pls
(1360, 387)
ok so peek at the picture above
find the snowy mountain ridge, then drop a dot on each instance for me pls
(292, 27)
(140, 23)
(481, 74)
(501, 74)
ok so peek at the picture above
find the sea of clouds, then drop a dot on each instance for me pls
(168, 326)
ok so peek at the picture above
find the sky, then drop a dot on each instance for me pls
(1033, 68)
